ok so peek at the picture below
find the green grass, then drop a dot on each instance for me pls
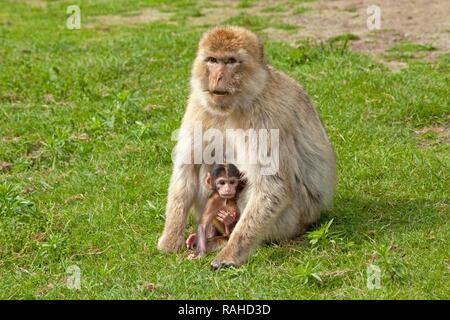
(301, 10)
(245, 3)
(257, 23)
(299, 1)
(343, 38)
(86, 123)
(276, 8)
(408, 50)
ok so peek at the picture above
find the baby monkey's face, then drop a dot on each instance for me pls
(227, 186)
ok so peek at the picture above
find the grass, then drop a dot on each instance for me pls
(300, 10)
(245, 3)
(343, 38)
(408, 50)
(258, 23)
(276, 8)
(87, 117)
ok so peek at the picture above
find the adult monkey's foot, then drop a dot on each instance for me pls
(225, 259)
(172, 244)
(219, 264)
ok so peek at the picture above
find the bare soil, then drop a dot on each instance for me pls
(419, 21)
(145, 16)
(441, 132)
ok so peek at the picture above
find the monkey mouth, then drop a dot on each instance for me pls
(227, 196)
(219, 93)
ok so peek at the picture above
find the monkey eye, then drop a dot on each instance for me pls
(231, 60)
(211, 60)
(232, 182)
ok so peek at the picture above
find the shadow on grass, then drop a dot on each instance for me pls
(361, 216)
(362, 222)
(359, 219)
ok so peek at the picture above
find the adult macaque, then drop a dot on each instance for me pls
(221, 211)
(232, 87)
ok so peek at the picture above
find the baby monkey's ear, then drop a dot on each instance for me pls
(208, 181)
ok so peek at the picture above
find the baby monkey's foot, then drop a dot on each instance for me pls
(195, 255)
(191, 242)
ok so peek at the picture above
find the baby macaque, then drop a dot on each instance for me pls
(221, 212)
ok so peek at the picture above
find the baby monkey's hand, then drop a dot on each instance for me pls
(226, 217)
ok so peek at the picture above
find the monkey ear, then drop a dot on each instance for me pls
(262, 57)
(208, 181)
(242, 181)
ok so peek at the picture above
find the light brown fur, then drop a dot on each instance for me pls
(274, 207)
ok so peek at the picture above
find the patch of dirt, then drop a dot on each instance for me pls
(9, 139)
(420, 21)
(434, 135)
(10, 97)
(39, 236)
(214, 16)
(77, 197)
(277, 34)
(223, 10)
(5, 166)
(44, 290)
(41, 4)
(394, 66)
(151, 287)
(337, 273)
(49, 98)
(80, 136)
(145, 16)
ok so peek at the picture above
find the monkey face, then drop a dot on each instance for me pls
(226, 180)
(229, 70)
(227, 187)
(222, 75)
